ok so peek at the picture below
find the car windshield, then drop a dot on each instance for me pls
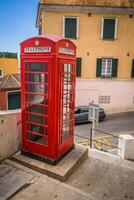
(84, 110)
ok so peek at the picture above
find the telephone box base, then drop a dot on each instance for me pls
(62, 170)
(44, 159)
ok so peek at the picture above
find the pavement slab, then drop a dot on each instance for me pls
(48, 189)
(12, 180)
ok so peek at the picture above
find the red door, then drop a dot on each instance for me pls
(35, 113)
(67, 103)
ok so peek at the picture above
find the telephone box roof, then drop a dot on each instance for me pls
(54, 38)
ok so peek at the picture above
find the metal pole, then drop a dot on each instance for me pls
(93, 128)
(91, 138)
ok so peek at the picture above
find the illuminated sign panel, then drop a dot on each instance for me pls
(66, 51)
(37, 49)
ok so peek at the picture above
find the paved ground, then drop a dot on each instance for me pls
(115, 124)
(42, 187)
(104, 181)
(100, 177)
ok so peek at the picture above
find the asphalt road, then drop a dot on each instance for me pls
(114, 124)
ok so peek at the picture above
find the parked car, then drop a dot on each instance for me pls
(81, 114)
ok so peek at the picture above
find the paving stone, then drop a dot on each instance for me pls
(11, 180)
(50, 189)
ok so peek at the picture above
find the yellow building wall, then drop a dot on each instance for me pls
(9, 66)
(89, 44)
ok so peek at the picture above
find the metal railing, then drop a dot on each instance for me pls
(92, 140)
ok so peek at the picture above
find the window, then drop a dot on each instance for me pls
(1, 73)
(78, 67)
(109, 28)
(40, 28)
(14, 100)
(70, 27)
(106, 67)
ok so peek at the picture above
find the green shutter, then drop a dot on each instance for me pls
(8, 55)
(40, 30)
(132, 72)
(3, 55)
(109, 29)
(98, 67)
(12, 55)
(14, 100)
(71, 28)
(78, 67)
(114, 67)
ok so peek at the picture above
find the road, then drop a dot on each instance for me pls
(115, 124)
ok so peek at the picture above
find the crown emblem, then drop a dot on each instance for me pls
(37, 42)
(67, 44)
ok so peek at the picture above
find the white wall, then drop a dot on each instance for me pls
(10, 133)
(121, 94)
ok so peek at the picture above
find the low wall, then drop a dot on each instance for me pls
(10, 133)
(115, 96)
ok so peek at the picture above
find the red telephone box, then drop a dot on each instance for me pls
(48, 74)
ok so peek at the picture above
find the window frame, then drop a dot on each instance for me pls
(77, 26)
(102, 28)
(1, 76)
(105, 74)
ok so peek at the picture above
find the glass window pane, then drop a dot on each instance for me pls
(35, 88)
(35, 109)
(35, 99)
(36, 78)
(35, 118)
(35, 67)
(35, 128)
(37, 138)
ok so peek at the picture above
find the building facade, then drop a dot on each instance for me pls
(8, 63)
(103, 32)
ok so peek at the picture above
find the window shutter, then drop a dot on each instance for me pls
(40, 30)
(78, 67)
(3, 55)
(98, 67)
(132, 72)
(109, 29)
(114, 67)
(71, 28)
(11, 55)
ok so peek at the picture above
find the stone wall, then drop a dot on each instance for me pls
(10, 133)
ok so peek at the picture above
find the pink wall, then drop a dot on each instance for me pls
(115, 95)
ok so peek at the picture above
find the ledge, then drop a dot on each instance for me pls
(7, 112)
(92, 9)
